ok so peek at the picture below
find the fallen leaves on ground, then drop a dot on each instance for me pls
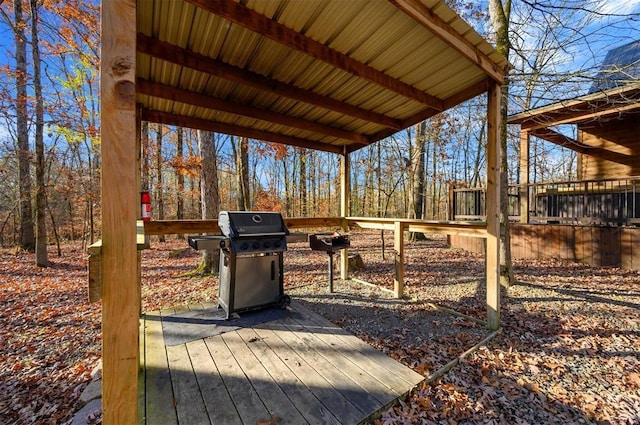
(49, 337)
(568, 352)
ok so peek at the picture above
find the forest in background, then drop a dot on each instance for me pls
(50, 144)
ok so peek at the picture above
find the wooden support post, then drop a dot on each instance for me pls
(524, 176)
(493, 206)
(120, 197)
(345, 189)
(398, 248)
(139, 205)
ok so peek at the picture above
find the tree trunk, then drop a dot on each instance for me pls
(210, 196)
(500, 15)
(27, 237)
(287, 187)
(242, 174)
(144, 156)
(303, 182)
(417, 177)
(42, 259)
(180, 176)
(159, 185)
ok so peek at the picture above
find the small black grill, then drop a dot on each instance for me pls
(329, 243)
(251, 259)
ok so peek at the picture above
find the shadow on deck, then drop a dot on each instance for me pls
(294, 367)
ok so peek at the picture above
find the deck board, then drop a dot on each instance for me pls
(301, 369)
(299, 394)
(250, 407)
(159, 406)
(272, 395)
(217, 399)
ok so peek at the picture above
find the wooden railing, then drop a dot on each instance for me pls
(397, 225)
(613, 202)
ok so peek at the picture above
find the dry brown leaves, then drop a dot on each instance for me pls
(569, 351)
(49, 337)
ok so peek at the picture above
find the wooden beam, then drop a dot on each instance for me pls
(569, 143)
(398, 248)
(183, 57)
(175, 94)
(584, 108)
(461, 228)
(524, 176)
(345, 197)
(202, 124)
(120, 197)
(423, 15)
(170, 227)
(556, 138)
(493, 207)
(242, 15)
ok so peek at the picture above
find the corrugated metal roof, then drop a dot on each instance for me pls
(621, 66)
(317, 73)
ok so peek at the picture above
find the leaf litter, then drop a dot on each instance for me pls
(569, 351)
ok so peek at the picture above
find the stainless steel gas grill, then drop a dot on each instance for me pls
(251, 259)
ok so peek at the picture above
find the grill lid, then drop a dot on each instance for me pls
(239, 224)
(329, 242)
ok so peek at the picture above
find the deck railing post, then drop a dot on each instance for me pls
(493, 207)
(345, 193)
(398, 248)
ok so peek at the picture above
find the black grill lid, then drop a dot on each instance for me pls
(238, 224)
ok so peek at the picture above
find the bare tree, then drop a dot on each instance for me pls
(210, 195)
(27, 237)
(500, 12)
(42, 259)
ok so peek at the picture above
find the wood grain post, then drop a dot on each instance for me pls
(120, 197)
(345, 189)
(398, 248)
(493, 206)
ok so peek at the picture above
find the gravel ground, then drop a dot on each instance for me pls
(569, 351)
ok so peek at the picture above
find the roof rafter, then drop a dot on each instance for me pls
(208, 125)
(575, 116)
(247, 18)
(423, 15)
(183, 57)
(175, 94)
(569, 143)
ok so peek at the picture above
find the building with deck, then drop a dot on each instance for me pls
(593, 219)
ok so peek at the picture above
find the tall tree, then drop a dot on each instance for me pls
(27, 237)
(144, 156)
(160, 181)
(417, 177)
(41, 193)
(303, 182)
(242, 173)
(500, 12)
(210, 195)
(180, 170)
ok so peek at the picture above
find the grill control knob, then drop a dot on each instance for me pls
(256, 245)
(267, 244)
(277, 243)
(244, 246)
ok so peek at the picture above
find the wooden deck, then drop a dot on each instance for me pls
(297, 369)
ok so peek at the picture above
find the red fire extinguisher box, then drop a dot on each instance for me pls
(145, 200)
